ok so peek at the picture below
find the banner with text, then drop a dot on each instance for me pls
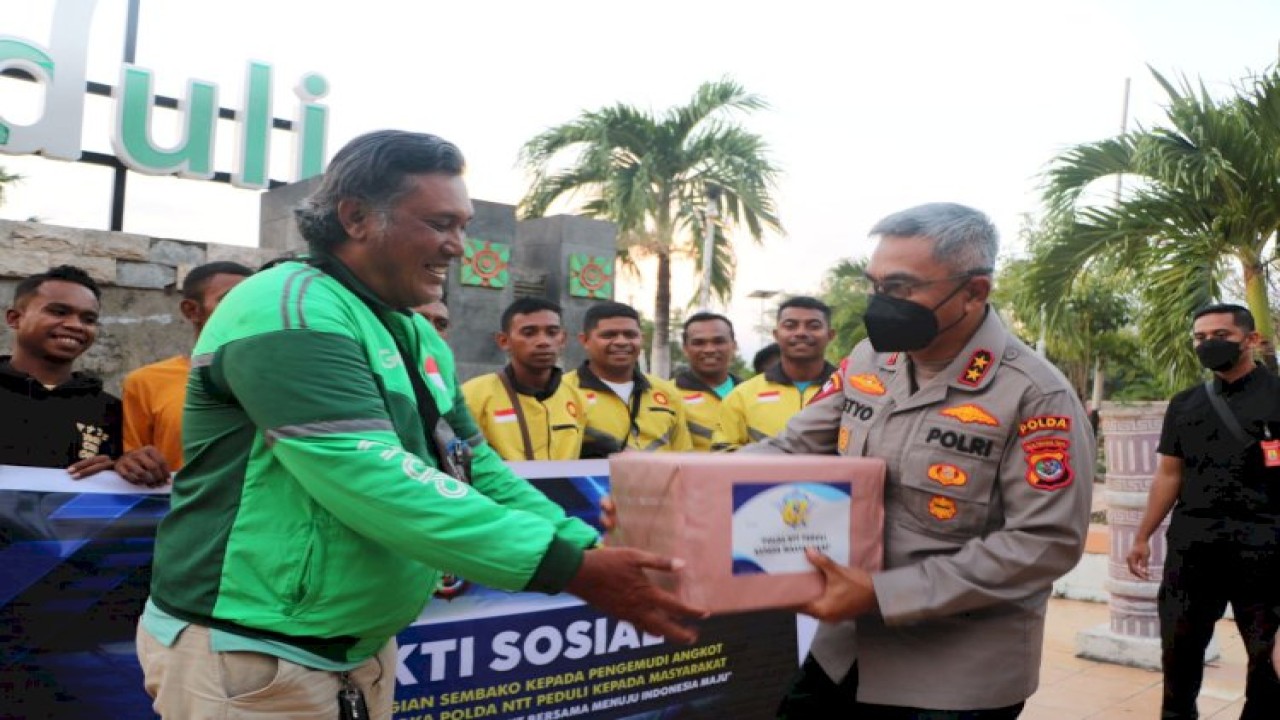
(74, 569)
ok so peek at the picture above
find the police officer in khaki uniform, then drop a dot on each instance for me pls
(990, 474)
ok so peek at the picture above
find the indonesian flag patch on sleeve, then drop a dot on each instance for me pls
(504, 416)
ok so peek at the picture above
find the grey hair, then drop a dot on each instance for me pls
(964, 239)
(375, 169)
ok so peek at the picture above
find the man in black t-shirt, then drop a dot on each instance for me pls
(1219, 472)
(53, 416)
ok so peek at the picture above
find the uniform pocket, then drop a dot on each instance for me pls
(948, 477)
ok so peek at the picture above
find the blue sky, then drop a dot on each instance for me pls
(874, 106)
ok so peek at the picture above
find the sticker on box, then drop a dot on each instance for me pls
(774, 522)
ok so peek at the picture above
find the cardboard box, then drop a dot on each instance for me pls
(741, 522)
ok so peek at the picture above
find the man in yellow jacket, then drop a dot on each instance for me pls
(711, 347)
(525, 410)
(625, 407)
(760, 407)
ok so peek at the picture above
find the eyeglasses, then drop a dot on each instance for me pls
(902, 288)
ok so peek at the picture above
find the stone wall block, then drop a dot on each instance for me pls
(174, 252)
(121, 246)
(21, 263)
(45, 238)
(250, 257)
(145, 275)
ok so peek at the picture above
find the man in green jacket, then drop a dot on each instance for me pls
(333, 471)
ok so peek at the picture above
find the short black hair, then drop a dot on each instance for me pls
(704, 317)
(766, 356)
(193, 284)
(66, 273)
(1240, 315)
(604, 311)
(808, 303)
(527, 306)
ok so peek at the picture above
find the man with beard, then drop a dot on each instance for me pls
(626, 408)
(710, 346)
(524, 410)
(1219, 472)
(760, 407)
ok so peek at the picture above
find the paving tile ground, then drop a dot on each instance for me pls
(1073, 688)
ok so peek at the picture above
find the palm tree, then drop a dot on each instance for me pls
(845, 290)
(652, 176)
(1204, 196)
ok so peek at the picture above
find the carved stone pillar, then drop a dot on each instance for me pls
(1130, 433)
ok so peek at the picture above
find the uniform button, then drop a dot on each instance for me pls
(1010, 353)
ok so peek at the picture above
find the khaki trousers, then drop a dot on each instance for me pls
(191, 682)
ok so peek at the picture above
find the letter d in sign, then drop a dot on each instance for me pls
(60, 69)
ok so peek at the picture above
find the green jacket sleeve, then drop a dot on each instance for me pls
(491, 476)
(315, 398)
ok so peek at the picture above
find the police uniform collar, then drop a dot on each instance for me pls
(588, 379)
(776, 376)
(687, 380)
(890, 361)
(539, 394)
(975, 366)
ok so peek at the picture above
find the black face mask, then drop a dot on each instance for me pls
(897, 325)
(1218, 354)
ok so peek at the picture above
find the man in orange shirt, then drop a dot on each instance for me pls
(154, 394)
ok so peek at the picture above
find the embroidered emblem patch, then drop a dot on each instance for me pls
(970, 413)
(1048, 463)
(1044, 422)
(660, 398)
(893, 360)
(947, 474)
(829, 388)
(842, 440)
(867, 383)
(571, 407)
(943, 508)
(977, 369)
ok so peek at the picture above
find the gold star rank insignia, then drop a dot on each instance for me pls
(977, 369)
